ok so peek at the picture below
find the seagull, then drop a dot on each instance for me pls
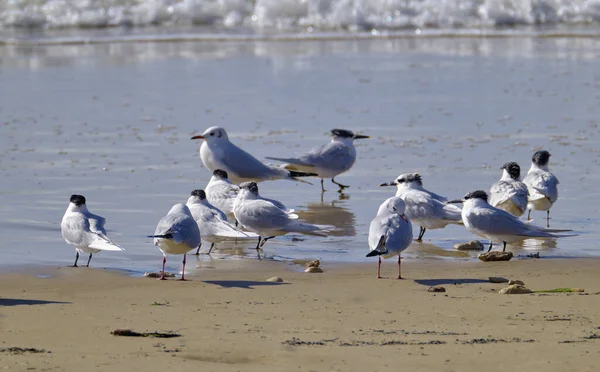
(266, 219)
(217, 152)
(492, 223)
(423, 207)
(542, 185)
(329, 160)
(85, 230)
(176, 233)
(212, 222)
(390, 232)
(510, 194)
(221, 193)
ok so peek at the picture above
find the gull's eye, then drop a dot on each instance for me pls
(212, 133)
(394, 208)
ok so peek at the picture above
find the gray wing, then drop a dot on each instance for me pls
(503, 191)
(397, 232)
(263, 215)
(542, 184)
(495, 221)
(244, 165)
(222, 195)
(97, 223)
(75, 230)
(334, 155)
(421, 205)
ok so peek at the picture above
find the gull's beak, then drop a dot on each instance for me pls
(393, 183)
(403, 216)
(457, 201)
(360, 136)
(198, 137)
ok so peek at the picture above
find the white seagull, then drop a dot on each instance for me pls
(509, 193)
(212, 222)
(85, 230)
(542, 185)
(329, 160)
(176, 233)
(423, 207)
(217, 152)
(266, 219)
(390, 232)
(480, 218)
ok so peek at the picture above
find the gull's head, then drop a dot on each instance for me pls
(251, 187)
(541, 158)
(346, 134)
(77, 200)
(180, 208)
(393, 205)
(220, 174)
(406, 179)
(213, 135)
(474, 196)
(512, 169)
(197, 196)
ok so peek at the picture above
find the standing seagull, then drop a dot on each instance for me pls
(176, 233)
(266, 219)
(542, 185)
(212, 222)
(423, 207)
(494, 224)
(217, 152)
(85, 230)
(510, 194)
(390, 232)
(329, 160)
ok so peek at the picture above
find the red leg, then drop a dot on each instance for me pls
(162, 276)
(399, 267)
(379, 268)
(183, 269)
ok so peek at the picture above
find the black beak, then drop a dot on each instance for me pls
(360, 136)
(457, 201)
(393, 183)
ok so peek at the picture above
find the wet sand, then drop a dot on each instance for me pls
(344, 319)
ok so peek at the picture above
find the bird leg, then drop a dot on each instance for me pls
(211, 247)
(183, 269)
(89, 259)
(529, 215)
(258, 247)
(490, 246)
(421, 233)
(322, 186)
(198, 251)
(162, 276)
(339, 184)
(399, 267)
(504, 248)
(379, 268)
(265, 240)
(76, 258)
(548, 218)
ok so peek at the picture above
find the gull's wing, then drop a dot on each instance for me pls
(222, 195)
(76, 230)
(334, 155)
(182, 227)
(397, 233)
(244, 165)
(495, 221)
(96, 223)
(542, 184)
(514, 191)
(262, 215)
(421, 205)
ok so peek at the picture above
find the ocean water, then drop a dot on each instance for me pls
(108, 113)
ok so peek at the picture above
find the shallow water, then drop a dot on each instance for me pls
(112, 121)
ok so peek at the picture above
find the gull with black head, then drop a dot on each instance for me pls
(327, 161)
(480, 218)
(542, 185)
(266, 219)
(423, 207)
(85, 230)
(509, 193)
(218, 152)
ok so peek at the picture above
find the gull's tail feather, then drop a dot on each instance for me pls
(291, 161)
(105, 244)
(163, 236)
(308, 228)
(293, 175)
(380, 249)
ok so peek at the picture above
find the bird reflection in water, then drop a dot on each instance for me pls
(332, 213)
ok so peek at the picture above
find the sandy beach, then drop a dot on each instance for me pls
(231, 319)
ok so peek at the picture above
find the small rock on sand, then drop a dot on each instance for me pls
(275, 279)
(157, 275)
(495, 256)
(512, 282)
(313, 269)
(474, 245)
(515, 289)
(498, 279)
(315, 263)
(436, 289)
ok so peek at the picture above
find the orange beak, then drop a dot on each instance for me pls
(198, 137)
